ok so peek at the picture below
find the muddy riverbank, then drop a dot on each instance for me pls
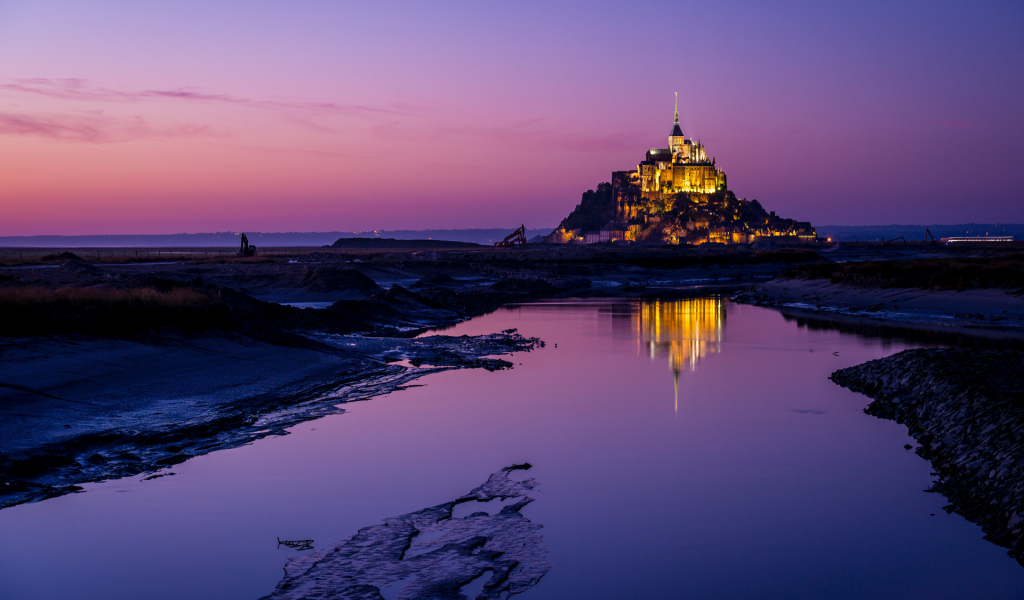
(981, 309)
(79, 409)
(103, 379)
(974, 288)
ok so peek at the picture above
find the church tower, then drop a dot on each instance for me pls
(677, 141)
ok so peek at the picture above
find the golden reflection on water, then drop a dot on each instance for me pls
(685, 330)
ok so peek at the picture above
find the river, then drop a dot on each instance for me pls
(685, 447)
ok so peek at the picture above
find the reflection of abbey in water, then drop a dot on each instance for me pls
(687, 330)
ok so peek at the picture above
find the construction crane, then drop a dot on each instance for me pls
(516, 237)
(928, 234)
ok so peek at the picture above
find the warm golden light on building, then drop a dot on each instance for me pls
(682, 167)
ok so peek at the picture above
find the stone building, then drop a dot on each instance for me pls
(682, 167)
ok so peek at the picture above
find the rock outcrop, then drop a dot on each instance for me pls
(431, 553)
(966, 409)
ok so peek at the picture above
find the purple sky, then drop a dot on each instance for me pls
(121, 117)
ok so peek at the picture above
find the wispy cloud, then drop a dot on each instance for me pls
(94, 128)
(98, 126)
(83, 90)
(67, 119)
(65, 89)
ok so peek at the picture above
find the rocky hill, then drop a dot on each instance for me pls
(676, 218)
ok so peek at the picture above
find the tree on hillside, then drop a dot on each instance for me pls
(595, 209)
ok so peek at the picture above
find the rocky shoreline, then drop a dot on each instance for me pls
(965, 408)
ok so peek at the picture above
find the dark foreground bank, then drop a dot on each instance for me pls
(966, 409)
(134, 375)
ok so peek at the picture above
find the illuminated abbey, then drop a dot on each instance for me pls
(675, 195)
(682, 167)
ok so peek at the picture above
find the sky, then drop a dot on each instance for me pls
(122, 117)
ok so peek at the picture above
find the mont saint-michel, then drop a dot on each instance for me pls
(676, 195)
(305, 308)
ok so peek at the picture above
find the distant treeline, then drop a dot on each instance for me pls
(874, 233)
(226, 239)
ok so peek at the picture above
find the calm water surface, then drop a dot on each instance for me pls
(686, 448)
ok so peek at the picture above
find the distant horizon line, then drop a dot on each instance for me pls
(252, 231)
(454, 229)
(483, 236)
(272, 239)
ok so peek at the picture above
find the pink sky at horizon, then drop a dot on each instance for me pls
(117, 118)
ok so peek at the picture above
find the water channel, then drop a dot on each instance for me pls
(684, 447)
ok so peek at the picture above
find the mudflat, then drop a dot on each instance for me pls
(77, 409)
(975, 308)
(107, 372)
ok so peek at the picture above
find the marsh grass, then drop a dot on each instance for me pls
(105, 297)
(1000, 272)
(98, 256)
(34, 310)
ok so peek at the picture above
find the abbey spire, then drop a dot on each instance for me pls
(676, 131)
